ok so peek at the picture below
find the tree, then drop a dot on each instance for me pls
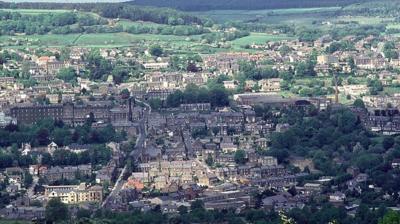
(67, 75)
(120, 75)
(182, 210)
(388, 142)
(197, 204)
(389, 50)
(391, 217)
(156, 50)
(359, 103)
(155, 104)
(125, 94)
(240, 157)
(27, 179)
(56, 211)
(209, 161)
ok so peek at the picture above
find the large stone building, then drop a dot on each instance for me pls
(73, 114)
(72, 194)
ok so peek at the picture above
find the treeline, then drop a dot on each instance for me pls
(118, 10)
(217, 96)
(156, 15)
(319, 212)
(223, 36)
(46, 131)
(205, 5)
(180, 30)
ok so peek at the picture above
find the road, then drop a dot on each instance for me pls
(134, 155)
(31, 190)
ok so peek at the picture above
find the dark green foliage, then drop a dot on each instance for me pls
(391, 217)
(217, 96)
(250, 71)
(98, 67)
(375, 86)
(156, 50)
(389, 50)
(56, 211)
(240, 157)
(40, 134)
(340, 46)
(58, 23)
(67, 75)
(359, 103)
(181, 30)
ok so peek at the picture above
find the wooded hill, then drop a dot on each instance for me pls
(117, 10)
(205, 5)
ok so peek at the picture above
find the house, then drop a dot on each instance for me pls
(327, 60)
(312, 188)
(270, 85)
(207, 180)
(228, 147)
(134, 184)
(337, 197)
(156, 65)
(230, 84)
(395, 163)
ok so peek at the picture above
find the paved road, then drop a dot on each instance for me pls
(134, 155)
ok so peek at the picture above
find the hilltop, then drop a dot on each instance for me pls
(205, 5)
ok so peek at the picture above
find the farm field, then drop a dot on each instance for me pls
(258, 38)
(364, 20)
(36, 11)
(89, 40)
(269, 16)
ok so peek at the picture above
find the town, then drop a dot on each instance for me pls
(277, 127)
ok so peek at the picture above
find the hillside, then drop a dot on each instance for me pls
(204, 5)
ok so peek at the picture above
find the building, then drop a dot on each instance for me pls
(69, 113)
(270, 85)
(327, 60)
(66, 173)
(73, 194)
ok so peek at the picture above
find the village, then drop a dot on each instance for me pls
(172, 153)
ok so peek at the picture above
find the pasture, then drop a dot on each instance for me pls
(258, 38)
(37, 11)
(268, 16)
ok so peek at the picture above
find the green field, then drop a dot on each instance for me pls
(364, 20)
(36, 11)
(258, 38)
(13, 222)
(91, 40)
(125, 39)
(270, 16)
